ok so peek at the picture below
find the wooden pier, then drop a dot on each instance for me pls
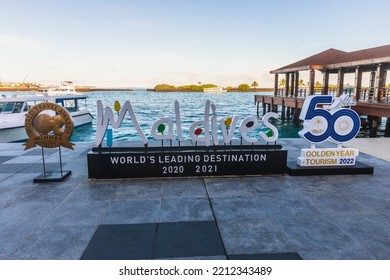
(371, 112)
(373, 102)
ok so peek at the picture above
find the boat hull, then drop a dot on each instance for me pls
(15, 134)
(12, 134)
(81, 118)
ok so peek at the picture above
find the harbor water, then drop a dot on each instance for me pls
(150, 106)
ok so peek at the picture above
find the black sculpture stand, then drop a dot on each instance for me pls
(293, 169)
(52, 176)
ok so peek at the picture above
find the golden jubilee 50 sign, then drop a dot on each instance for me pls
(328, 122)
(48, 125)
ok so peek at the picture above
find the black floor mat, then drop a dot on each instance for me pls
(121, 242)
(151, 241)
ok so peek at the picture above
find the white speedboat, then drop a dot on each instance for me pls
(66, 87)
(13, 111)
(214, 90)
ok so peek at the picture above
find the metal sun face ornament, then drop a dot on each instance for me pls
(48, 125)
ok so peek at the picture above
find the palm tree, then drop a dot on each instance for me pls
(254, 84)
(301, 83)
(282, 83)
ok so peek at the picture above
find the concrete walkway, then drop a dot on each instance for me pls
(316, 217)
(377, 147)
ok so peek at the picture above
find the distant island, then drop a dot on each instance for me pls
(158, 88)
(201, 87)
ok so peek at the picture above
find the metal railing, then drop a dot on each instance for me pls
(366, 94)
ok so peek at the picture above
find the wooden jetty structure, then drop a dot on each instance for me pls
(373, 102)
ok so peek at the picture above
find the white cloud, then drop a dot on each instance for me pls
(313, 45)
(22, 43)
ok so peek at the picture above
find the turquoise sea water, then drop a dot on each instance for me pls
(150, 106)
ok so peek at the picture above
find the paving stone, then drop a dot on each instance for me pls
(345, 254)
(24, 159)
(237, 208)
(139, 190)
(314, 232)
(94, 192)
(371, 231)
(11, 237)
(28, 214)
(185, 209)
(61, 243)
(227, 187)
(183, 188)
(267, 256)
(319, 217)
(6, 158)
(133, 212)
(45, 193)
(78, 214)
(253, 236)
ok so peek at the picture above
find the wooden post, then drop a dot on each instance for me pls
(312, 76)
(374, 123)
(283, 117)
(372, 86)
(287, 84)
(296, 84)
(292, 84)
(276, 84)
(340, 82)
(380, 82)
(387, 129)
(296, 113)
(274, 108)
(325, 83)
(358, 82)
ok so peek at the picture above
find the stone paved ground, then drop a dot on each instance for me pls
(317, 217)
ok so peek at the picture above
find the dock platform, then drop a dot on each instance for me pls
(240, 217)
(371, 112)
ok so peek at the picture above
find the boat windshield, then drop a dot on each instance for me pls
(11, 107)
(72, 105)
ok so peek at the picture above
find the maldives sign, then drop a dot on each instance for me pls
(211, 150)
(202, 131)
(326, 119)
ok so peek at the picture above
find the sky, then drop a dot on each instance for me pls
(141, 43)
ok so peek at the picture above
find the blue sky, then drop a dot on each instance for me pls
(142, 43)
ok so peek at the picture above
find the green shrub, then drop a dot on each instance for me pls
(244, 87)
(164, 87)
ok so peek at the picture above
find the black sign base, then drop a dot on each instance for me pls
(293, 169)
(110, 163)
(52, 176)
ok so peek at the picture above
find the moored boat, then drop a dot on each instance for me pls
(66, 87)
(13, 111)
(214, 90)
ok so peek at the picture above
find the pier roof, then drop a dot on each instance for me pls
(334, 59)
